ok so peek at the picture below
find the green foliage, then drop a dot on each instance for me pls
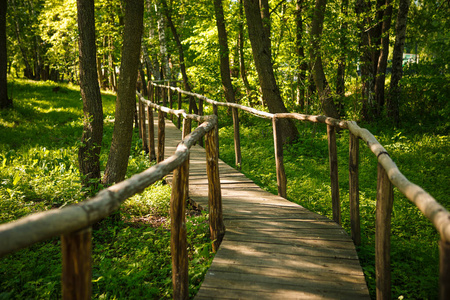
(39, 171)
(421, 157)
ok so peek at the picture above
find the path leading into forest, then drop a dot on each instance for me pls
(273, 248)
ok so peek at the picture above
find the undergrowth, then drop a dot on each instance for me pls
(39, 142)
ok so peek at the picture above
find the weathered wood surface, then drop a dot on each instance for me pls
(272, 248)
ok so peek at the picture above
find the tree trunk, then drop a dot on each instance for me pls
(302, 65)
(261, 54)
(242, 69)
(91, 139)
(163, 46)
(5, 102)
(322, 86)
(397, 62)
(28, 72)
(382, 59)
(126, 96)
(224, 53)
(340, 84)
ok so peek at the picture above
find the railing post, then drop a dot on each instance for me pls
(216, 224)
(179, 107)
(185, 132)
(385, 197)
(169, 96)
(178, 240)
(151, 134)
(444, 270)
(76, 250)
(163, 94)
(200, 113)
(332, 153)
(161, 136)
(144, 133)
(237, 138)
(278, 145)
(353, 172)
(216, 113)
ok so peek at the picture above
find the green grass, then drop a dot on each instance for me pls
(39, 142)
(421, 155)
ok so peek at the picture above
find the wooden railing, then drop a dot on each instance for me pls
(388, 176)
(74, 223)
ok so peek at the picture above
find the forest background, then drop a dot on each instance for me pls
(354, 42)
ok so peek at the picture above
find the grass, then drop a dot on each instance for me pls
(39, 142)
(421, 152)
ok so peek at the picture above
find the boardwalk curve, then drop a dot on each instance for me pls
(273, 248)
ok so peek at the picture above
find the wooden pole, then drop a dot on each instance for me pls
(216, 225)
(163, 95)
(185, 132)
(161, 136)
(139, 115)
(151, 134)
(76, 264)
(353, 171)
(281, 174)
(169, 97)
(144, 133)
(385, 198)
(237, 138)
(444, 270)
(178, 241)
(216, 113)
(332, 152)
(179, 107)
(200, 113)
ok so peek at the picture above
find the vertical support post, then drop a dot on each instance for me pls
(139, 115)
(178, 239)
(444, 270)
(385, 197)
(163, 94)
(216, 113)
(200, 113)
(169, 96)
(353, 172)
(161, 136)
(281, 174)
(237, 138)
(185, 132)
(76, 250)
(144, 129)
(179, 107)
(151, 134)
(216, 225)
(332, 153)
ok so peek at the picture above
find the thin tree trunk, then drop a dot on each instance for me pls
(322, 86)
(126, 96)
(340, 85)
(397, 61)
(382, 59)
(91, 139)
(28, 70)
(225, 73)
(242, 69)
(302, 65)
(5, 102)
(261, 54)
(163, 46)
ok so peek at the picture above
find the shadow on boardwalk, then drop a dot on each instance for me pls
(273, 248)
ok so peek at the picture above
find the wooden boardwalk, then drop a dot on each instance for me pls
(273, 248)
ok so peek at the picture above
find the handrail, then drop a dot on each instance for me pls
(388, 176)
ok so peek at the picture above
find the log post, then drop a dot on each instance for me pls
(353, 172)
(281, 174)
(332, 153)
(76, 264)
(169, 97)
(144, 129)
(216, 113)
(237, 138)
(151, 134)
(163, 95)
(161, 136)
(179, 107)
(178, 240)
(444, 270)
(185, 132)
(139, 117)
(385, 198)
(200, 113)
(216, 225)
